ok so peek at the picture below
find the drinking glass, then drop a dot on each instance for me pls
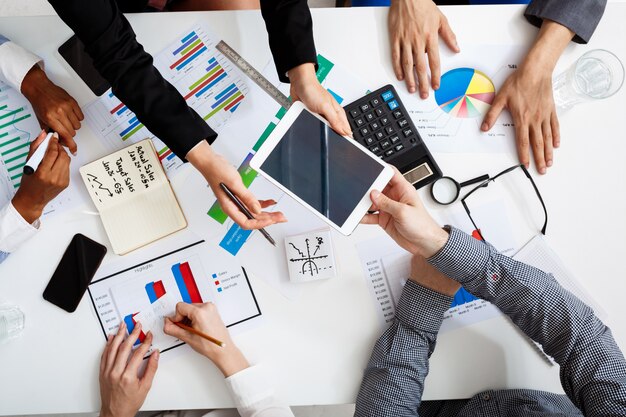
(11, 322)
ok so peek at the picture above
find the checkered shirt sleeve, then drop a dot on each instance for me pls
(593, 369)
(394, 378)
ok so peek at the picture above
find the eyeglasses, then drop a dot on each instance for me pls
(485, 183)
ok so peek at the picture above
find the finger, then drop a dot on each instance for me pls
(386, 204)
(151, 368)
(62, 163)
(105, 353)
(124, 350)
(51, 155)
(263, 220)
(267, 203)
(77, 110)
(63, 127)
(346, 130)
(448, 36)
(35, 144)
(407, 68)
(337, 123)
(396, 60)
(433, 62)
(114, 345)
(546, 131)
(183, 311)
(370, 219)
(556, 129)
(419, 57)
(171, 329)
(137, 357)
(71, 145)
(494, 112)
(73, 119)
(521, 139)
(536, 141)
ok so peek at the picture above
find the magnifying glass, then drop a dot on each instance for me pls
(446, 190)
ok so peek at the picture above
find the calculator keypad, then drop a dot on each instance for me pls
(380, 124)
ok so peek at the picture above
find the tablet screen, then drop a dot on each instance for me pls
(322, 168)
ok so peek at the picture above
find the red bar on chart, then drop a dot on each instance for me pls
(190, 283)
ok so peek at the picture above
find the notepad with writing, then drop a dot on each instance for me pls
(134, 197)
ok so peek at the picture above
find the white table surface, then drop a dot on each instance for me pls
(316, 348)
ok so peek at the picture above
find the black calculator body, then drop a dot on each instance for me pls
(380, 122)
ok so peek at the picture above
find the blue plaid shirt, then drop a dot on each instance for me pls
(593, 369)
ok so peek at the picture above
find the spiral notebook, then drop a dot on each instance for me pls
(134, 197)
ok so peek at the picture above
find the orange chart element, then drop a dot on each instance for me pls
(465, 93)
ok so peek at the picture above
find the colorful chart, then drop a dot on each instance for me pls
(186, 283)
(465, 93)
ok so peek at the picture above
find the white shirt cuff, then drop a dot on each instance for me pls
(15, 62)
(249, 387)
(14, 230)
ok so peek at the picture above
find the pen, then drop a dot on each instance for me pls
(199, 333)
(245, 211)
(33, 162)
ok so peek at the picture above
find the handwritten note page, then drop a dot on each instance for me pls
(134, 197)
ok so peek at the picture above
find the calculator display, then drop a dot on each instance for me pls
(322, 168)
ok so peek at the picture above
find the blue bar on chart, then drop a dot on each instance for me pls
(462, 297)
(335, 95)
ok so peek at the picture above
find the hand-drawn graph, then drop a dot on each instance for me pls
(310, 256)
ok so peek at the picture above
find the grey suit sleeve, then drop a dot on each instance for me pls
(3, 39)
(593, 369)
(579, 16)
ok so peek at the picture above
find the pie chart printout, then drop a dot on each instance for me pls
(465, 93)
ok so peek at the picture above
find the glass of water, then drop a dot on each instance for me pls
(597, 74)
(11, 322)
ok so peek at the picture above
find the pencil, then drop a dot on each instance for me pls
(199, 333)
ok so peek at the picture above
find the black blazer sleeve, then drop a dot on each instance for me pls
(122, 61)
(290, 31)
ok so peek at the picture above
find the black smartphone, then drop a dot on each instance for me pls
(74, 53)
(74, 273)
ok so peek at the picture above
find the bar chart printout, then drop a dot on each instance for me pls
(206, 80)
(151, 290)
(18, 127)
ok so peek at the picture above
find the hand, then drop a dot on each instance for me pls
(527, 93)
(205, 318)
(429, 277)
(216, 169)
(122, 390)
(414, 30)
(53, 106)
(52, 177)
(403, 216)
(306, 88)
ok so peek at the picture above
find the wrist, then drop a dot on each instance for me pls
(434, 240)
(229, 361)
(202, 156)
(33, 78)
(302, 74)
(29, 210)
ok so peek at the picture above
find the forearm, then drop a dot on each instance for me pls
(122, 61)
(579, 16)
(290, 32)
(393, 381)
(593, 370)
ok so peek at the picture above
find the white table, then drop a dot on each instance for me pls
(326, 337)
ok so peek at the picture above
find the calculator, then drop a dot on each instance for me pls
(380, 122)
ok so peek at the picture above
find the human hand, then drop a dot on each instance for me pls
(306, 88)
(527, 94)
(51, 177)
(429, 277)
(206, 319)
(216, 170)
(414, 30)
(405, 219)
(122, 390)
(53, 106)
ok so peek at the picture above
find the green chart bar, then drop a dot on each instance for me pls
(132, 132)
(11, 113)
(19, 119)
(9, 141)
(18, 147)
(15, 158)
(221, 106)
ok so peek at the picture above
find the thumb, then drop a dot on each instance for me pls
(151, 368)
(170, 329)
(386, 204)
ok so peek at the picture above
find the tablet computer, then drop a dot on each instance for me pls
(330, 174)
